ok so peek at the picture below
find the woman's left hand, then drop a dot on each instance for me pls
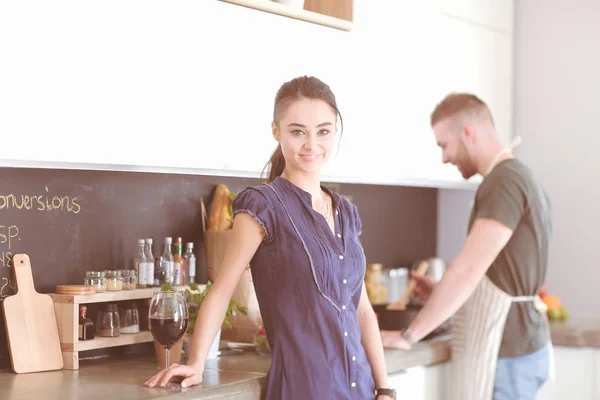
(394, 340)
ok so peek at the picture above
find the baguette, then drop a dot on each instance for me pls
(219, 218)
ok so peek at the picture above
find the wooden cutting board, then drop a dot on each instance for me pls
(30, 323)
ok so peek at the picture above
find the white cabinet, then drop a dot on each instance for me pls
(576, 375)
(437, 382)
(422, 383)
(197, 94)
(493, 14)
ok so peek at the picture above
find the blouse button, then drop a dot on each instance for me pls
(353, 384)
(345, 281)
(345, 333)
(341, 257)
(353, 358)
(343, 307)
(336, 212)
(339, 235)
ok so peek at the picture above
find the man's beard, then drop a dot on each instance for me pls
(464, 162)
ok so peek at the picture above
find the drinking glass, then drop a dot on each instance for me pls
(168, 318)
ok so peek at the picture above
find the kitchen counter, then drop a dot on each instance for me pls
(237, 377)
(576, 332)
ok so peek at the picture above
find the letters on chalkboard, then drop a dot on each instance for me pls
(9, 233)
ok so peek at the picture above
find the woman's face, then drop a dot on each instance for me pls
(306, 133)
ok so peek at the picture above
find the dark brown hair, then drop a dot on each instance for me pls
(307, 87)
(460, 103)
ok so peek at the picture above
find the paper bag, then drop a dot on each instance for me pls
(215, 247)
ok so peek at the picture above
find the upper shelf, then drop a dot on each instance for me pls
(336, 14)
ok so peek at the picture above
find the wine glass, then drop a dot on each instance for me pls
(168, 319)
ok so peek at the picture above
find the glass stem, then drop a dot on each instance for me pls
(167, 352)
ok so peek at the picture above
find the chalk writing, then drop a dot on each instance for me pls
(40, 202)
(8, 234)
(7, 287)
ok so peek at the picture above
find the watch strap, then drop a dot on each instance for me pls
(386, 392)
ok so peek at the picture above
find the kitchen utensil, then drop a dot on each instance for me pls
(401, 304)
(437, 267)
(30, 323)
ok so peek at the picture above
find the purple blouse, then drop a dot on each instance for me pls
(308, 283)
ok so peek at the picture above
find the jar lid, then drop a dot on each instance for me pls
(375, 267)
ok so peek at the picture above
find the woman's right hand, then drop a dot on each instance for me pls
(191, 376)
(425, 285)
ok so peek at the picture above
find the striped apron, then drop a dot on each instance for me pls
(477, 333)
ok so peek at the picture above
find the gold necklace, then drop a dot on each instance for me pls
(327, 214)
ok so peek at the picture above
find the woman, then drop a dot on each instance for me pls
(302, 242)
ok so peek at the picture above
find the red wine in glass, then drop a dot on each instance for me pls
(168, 319)
(167, 331)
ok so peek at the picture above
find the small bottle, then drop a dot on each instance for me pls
(86, 326)
(149, 263)
(178, 263)
(167, 261)
(160, 275)
(190, 262)
(140, 264)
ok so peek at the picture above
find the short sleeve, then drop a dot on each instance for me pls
(253, 202)
(502, 199)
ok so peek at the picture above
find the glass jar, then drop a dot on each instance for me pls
(375, 284)
(129, 279)
(96, 279)
(107, 321)
(129, 317)
(114, 280)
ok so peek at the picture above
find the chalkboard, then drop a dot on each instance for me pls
(73, 221)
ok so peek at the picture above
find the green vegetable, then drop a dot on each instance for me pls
(195, 298)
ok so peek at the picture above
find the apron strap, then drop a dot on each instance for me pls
(542, 308)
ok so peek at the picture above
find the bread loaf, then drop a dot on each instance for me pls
(219, 218)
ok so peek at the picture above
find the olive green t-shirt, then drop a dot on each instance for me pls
(511, 195)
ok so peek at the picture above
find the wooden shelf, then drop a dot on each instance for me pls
(135, 294)
(122, 340)
(66, 308)
(319, 18)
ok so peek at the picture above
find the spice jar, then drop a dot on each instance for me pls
(129, 318)
(114, 280)
(107, 321)
(129, 279)
(96, 279)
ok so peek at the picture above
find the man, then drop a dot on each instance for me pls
(500, 338)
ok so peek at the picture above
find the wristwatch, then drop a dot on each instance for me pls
(386, 392)
(407, 336)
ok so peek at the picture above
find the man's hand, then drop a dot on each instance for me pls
(394, 340)
(425, 285)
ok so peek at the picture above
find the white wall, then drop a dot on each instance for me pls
(557, 107)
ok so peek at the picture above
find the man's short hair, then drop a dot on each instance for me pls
(461, 104)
